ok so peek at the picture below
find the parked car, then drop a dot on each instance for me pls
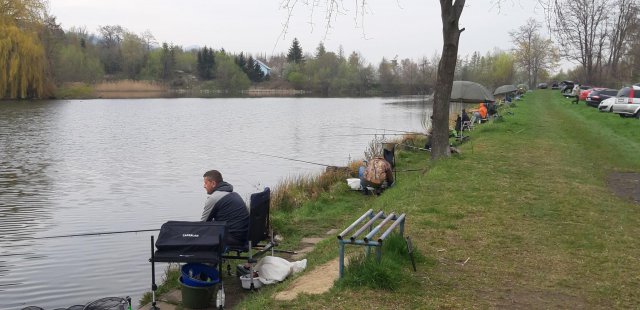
(555, 85)
(607, 104)
(599, 94)
(566, 86)
(585, 90)
(542, 86)
(628, 102)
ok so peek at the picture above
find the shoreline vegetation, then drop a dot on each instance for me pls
(130, 89)
(524, 217)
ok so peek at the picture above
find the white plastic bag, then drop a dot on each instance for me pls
(272, 269)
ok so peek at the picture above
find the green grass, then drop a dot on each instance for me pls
(522, 218)
(75, 91)
(390, 273)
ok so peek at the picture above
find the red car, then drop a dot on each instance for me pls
(585, 91)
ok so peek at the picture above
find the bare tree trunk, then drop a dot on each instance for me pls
(450, 13)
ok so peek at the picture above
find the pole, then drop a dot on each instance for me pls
(341, 254)
(154, 287)
(410, 250)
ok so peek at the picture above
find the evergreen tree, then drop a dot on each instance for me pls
(168, 60)
(248, 68)
(200, 66)
(320, 50)
(211, 64)
(206, 64)
(240, 61)
(295, 52)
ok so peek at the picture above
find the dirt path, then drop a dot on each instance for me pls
(625, 185)
(317, 281)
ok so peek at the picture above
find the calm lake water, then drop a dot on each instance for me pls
(69, 167)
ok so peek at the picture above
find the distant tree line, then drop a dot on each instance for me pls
(334, 73)
(600, 36)
(41, 56)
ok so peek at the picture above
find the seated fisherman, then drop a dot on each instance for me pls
(224, 204)
(460, 120)
(481, 113)
(465, 116)
(377, 174)
(492, 108)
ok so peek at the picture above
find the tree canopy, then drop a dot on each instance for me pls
(21, 50)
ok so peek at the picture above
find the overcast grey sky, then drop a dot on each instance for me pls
(407, 28)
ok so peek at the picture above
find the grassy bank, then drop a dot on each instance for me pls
(523, 218)
(527, 204)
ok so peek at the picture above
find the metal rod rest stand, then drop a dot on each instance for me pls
(377, 228)
(353, 225)
(363, 228)
(398, 221)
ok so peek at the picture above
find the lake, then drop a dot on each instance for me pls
(83, 166)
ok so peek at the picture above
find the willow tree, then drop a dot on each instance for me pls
(24, 75)
(21, 51)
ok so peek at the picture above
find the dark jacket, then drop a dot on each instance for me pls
(226, 205)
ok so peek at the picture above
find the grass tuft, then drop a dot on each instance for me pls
(292, 192)
(390, 273)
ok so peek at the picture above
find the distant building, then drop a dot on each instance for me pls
(265, 69)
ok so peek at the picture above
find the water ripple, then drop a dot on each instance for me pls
(72, 167)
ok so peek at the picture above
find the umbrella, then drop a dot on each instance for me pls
(504, 89)
(469, 92)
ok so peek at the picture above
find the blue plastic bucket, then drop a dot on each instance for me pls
(199, 275)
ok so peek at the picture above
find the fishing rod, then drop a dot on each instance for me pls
(95, 234)
(281, 157)
(376, 134)
(394, 130)
(415, 147)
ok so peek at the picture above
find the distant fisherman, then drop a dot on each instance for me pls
(576, 92)
(224, 204)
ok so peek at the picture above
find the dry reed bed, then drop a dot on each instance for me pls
(130, 86)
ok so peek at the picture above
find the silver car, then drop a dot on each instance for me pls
(628, 102)
(607, 104)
